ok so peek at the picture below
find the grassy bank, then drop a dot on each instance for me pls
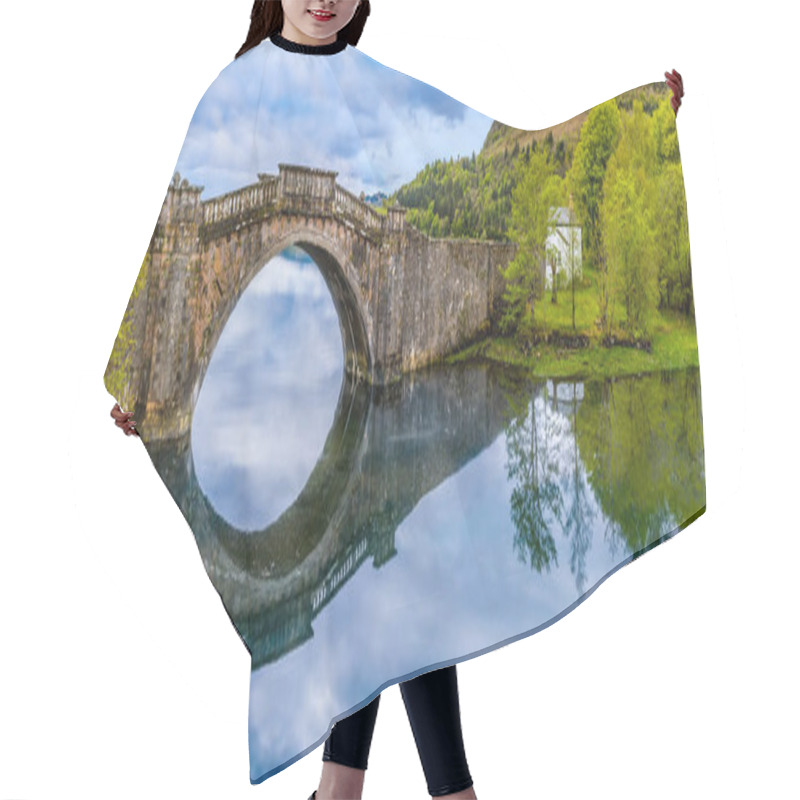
(674, 343)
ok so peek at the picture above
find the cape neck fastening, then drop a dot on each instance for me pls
(310, 49)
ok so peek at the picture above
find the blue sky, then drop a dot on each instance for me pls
(376, 126)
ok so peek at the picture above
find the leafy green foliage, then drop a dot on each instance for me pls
(118, 372)
(535, 201)
(622, 178)
(628, 213)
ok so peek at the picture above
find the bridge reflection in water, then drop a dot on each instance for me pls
(488, 503)
(389, 448)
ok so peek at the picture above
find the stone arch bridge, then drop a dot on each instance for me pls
(403, 299)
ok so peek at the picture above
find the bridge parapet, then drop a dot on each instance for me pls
(296, 187)
(242, 201)
(395, 219)
(357, 210)
(180, 205)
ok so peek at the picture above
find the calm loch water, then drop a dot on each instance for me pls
(359, 536)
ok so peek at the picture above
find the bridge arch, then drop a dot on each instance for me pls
(342, 284)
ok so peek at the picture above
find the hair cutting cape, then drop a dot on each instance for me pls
(419, 381)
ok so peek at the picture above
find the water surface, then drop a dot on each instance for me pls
(359, 535)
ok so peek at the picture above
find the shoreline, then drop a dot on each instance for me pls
(594, 361)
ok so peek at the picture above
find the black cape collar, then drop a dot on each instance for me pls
(309, 49)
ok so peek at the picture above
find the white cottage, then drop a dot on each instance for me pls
(563, 244)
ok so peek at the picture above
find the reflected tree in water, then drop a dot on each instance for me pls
(580, 515)
(536, 491)
(644, 457)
